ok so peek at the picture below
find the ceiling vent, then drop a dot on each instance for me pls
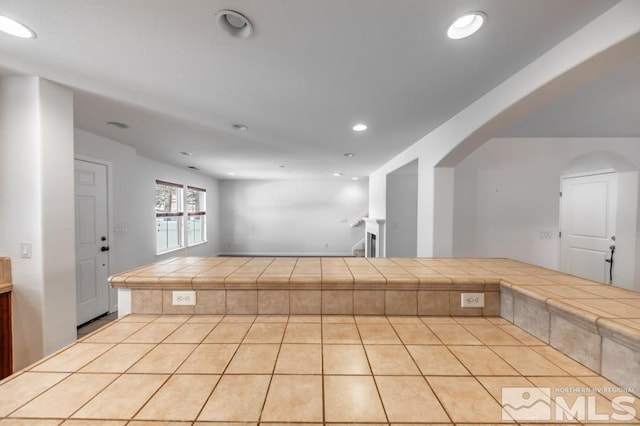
(234, 24)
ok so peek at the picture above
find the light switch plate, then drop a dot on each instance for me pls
(25, 249)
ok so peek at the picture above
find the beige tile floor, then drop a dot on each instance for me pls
(214, 370)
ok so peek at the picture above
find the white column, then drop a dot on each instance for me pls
(37, 206)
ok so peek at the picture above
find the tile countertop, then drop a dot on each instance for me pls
(311, 272)
(197, 370)
(571, 292)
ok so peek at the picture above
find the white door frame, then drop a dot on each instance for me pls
(113, 301)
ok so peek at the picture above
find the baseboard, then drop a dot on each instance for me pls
(280, 254)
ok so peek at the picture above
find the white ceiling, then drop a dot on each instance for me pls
(606, 107)
(312, 70)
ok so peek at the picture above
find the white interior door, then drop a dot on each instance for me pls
(588, 223)
(92, 240)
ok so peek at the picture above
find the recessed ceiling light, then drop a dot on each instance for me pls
(349, 154)
(240, 127)
(360, 127)
(118, 124)
(185, 153)
(337, 174)
(193, 168)
(15, 28)
(354, 178)
(231, 173)
(466, 25)
(234, 24)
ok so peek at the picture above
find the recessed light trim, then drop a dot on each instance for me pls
(338, 174)
(231, 173)
(349, 154)
(239, 126)
(118, 124)
(466, 25)
(12, 27)
(360, 127)
(185, 153)
(234, 24)
(354, 178)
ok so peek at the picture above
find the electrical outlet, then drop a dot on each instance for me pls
(472, 300)
(184, 297)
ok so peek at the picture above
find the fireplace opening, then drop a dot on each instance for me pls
(372, 245)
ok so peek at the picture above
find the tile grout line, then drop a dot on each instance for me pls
(164, 382)
(222, 374)
(373, 377)
(420, 371)
(422, 375)
(69, 373)
(472, 375)
(322, 372)
(273, 369)
(170, 375)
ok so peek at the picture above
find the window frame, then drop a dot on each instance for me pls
(202, 213)
(178, 214)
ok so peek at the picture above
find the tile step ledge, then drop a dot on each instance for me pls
(619, 333)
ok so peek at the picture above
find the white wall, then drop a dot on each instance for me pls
(36, 205)
(401, 233)
(291, 217)
(507, 192)
(133, 201)
(144, 203)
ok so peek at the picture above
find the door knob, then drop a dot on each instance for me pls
(105, 248)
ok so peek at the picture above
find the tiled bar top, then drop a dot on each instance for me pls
(145, 370)
(615, 309)
(560, 291)
(316, 272)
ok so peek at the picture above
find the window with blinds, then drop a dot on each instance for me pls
(169, 216)
(196, 215)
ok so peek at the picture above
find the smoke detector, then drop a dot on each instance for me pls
(118, 124)
(234, 24)
(240, 126)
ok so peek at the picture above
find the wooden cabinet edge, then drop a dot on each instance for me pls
(6, 344)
